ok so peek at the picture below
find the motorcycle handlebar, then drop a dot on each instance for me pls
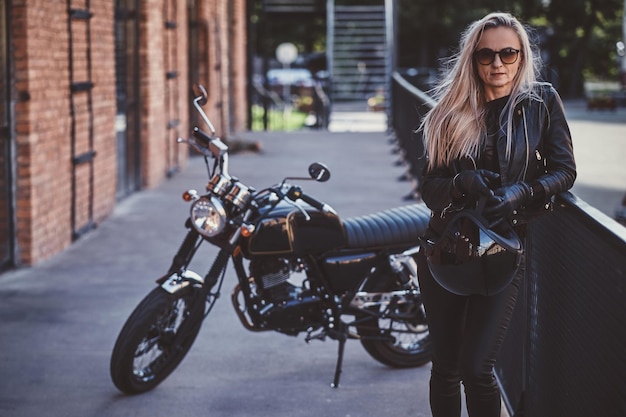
(204, 139)
(312, 202)
(296, 192)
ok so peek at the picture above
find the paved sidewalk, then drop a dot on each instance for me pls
(599, 138)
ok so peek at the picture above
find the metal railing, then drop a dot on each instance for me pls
(564, 351)
(408, 106)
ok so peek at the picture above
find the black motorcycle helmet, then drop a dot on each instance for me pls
(473, 257)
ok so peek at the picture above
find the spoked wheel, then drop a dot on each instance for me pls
(399, 338)
(154, 340)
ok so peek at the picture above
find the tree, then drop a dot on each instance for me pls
(577, 36)
(585, 32)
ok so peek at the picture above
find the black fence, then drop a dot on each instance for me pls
(408, 106)
(565, 352)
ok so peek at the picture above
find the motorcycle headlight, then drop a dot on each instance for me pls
(208, 216)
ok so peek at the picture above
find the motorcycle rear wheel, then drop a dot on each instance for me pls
(150, 346)
(398, 343)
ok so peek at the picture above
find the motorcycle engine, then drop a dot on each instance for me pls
(284, 306)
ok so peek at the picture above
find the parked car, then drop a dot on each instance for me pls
(298, 77)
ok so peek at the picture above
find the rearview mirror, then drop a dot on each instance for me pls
(319, 172)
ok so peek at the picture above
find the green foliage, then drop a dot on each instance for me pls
(602, 60)
(577, 36)
(430, 29)
(277, 120)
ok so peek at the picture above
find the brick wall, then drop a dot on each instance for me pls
(54, 197)
(42, 128)
(152, 78)
(164, 100)
(223, 67)
(103, 76)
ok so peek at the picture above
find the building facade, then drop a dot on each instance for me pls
(94, 94)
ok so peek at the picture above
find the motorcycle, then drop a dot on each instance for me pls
(300, 268)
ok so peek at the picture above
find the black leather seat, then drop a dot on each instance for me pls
(391, 227)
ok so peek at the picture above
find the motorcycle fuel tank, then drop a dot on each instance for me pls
(286, 232)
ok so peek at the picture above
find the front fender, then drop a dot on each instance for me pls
(178, 281)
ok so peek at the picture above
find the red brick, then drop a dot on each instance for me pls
(42, 72)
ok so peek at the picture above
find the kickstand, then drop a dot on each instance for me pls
(342, 345)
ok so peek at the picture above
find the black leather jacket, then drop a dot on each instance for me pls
(542, 155)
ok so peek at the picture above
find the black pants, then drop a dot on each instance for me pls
(466, 334)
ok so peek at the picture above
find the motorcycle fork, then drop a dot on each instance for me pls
(204, 295)
(185, 253)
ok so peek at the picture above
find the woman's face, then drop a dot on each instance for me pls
(497, 77)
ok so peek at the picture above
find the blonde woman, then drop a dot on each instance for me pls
(495, 132)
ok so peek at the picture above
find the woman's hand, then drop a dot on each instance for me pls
(507, 199)
(475, 183)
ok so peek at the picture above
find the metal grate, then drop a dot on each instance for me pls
(82, 121)
(359, 52)
(565, 351)
(293, 6)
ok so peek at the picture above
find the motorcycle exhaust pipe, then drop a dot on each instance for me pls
(363, 299)
(405, 267)
(241, 313)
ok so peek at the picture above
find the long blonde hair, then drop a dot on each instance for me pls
(455, 126)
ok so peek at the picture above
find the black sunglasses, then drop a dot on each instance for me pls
(486, 56)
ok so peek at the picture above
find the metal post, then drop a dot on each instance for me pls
(330, 45)
(390, 61)
(623, 80)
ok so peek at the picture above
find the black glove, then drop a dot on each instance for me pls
(475, 183)
(507, 199)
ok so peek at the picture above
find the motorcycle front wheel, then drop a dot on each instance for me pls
(155, 339)
(397, 338)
